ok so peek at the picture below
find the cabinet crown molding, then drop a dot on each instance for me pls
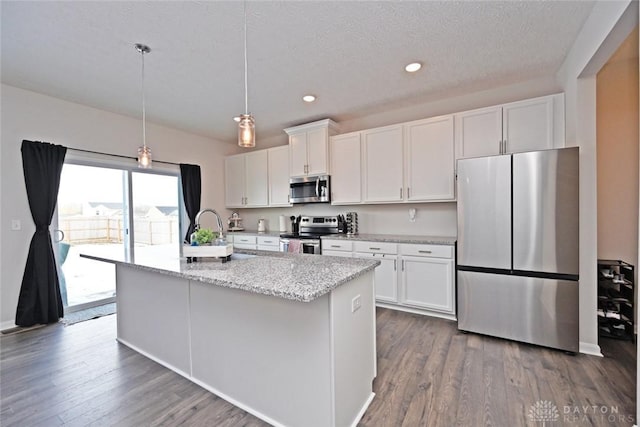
(328, 123)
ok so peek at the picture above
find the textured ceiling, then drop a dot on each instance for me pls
(350, 54)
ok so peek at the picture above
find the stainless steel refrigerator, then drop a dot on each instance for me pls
(518, 250)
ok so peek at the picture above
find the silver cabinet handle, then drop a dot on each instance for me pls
(408, 193)
(424, 252)
(499, 147)
(402, 265)
(401, 192)
(375, 249)
(505, 146)
(335, 246)
(395, 265)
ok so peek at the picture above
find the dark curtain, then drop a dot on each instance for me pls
(191, 189)
(40, 300)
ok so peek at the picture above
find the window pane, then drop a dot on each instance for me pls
(155, 216)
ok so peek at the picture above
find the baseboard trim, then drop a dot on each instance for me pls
(416, 311)
(9, 324)
(590, 349)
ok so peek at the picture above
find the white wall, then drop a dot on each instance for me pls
(606, 28)
(32, 116)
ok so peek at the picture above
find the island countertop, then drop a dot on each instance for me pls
(298, 277)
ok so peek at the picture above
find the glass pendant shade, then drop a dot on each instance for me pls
(246, 131)
(144, 157)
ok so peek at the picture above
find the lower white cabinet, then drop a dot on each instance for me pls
(269, 243)
(428, 283)
(412, 277)
(245, 241)
(386, 276)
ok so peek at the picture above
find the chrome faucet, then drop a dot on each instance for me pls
(217, 218)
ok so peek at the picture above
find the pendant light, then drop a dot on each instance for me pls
(246, 125)
(144, 152)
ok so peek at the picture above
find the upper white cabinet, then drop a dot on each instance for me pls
(532, 124)
(234, 169)
(429, 160)
(346, 168)
(279, 176)
(309, 147)
(246, 179)
(382, 178)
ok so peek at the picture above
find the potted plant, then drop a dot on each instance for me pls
(203, 236)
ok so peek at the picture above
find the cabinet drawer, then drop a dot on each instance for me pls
(246, 240)
(269, 248)
(342, 254)
(434, 251)
(337, 245)
(376, 247)
(268, 241)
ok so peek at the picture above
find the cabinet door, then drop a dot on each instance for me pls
(385, 276)
(528, 125)
(256, 179)
(383, 164)
(478, 132)
(298, 154)
(429, 152)
(317, 152)
(234, 181)
(279, 176)
(345, 169)
(428, 283)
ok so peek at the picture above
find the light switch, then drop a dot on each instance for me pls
(412, 215)
(16, 225)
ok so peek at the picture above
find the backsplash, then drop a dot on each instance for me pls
(432, 219)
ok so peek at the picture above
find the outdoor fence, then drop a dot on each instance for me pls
(148, 231)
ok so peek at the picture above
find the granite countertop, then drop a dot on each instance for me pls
(395, 238)
(297, 277)
(254, 233)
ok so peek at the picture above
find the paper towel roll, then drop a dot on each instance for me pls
(283, 224)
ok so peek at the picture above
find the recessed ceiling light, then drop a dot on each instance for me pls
(413, 67)
(236, 119)
(308, 98)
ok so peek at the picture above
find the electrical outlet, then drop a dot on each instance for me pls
(356, 303)
(16, 225)
(412, 215)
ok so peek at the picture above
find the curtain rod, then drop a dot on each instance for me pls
(120, 155)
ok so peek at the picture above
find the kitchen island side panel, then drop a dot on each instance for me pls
(153, 316)
(266, 354)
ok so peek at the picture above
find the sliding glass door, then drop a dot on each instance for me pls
(115, 213)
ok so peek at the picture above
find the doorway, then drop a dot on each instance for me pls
(115, 213)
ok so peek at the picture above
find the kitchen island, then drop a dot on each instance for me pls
(288, 338)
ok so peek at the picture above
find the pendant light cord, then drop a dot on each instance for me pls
(246, 84)
(144, 113)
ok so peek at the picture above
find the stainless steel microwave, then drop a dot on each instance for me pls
(310, 189)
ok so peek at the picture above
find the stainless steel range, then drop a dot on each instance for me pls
(310, 229)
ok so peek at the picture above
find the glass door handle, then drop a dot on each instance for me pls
(56, 231)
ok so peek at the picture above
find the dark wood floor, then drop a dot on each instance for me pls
(429, 374)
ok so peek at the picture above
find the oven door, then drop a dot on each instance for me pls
(310, 246)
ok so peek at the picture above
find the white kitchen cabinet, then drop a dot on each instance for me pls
(268, 243)
(346, 171)
(337, 245)
(234, 175)
(478, 132)
(531, 124)
(386, 275)
(428, 283)
(245, 241)
(429, 160)
(309, 148)
(256, 179)
(279, 176)
(383, 169)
